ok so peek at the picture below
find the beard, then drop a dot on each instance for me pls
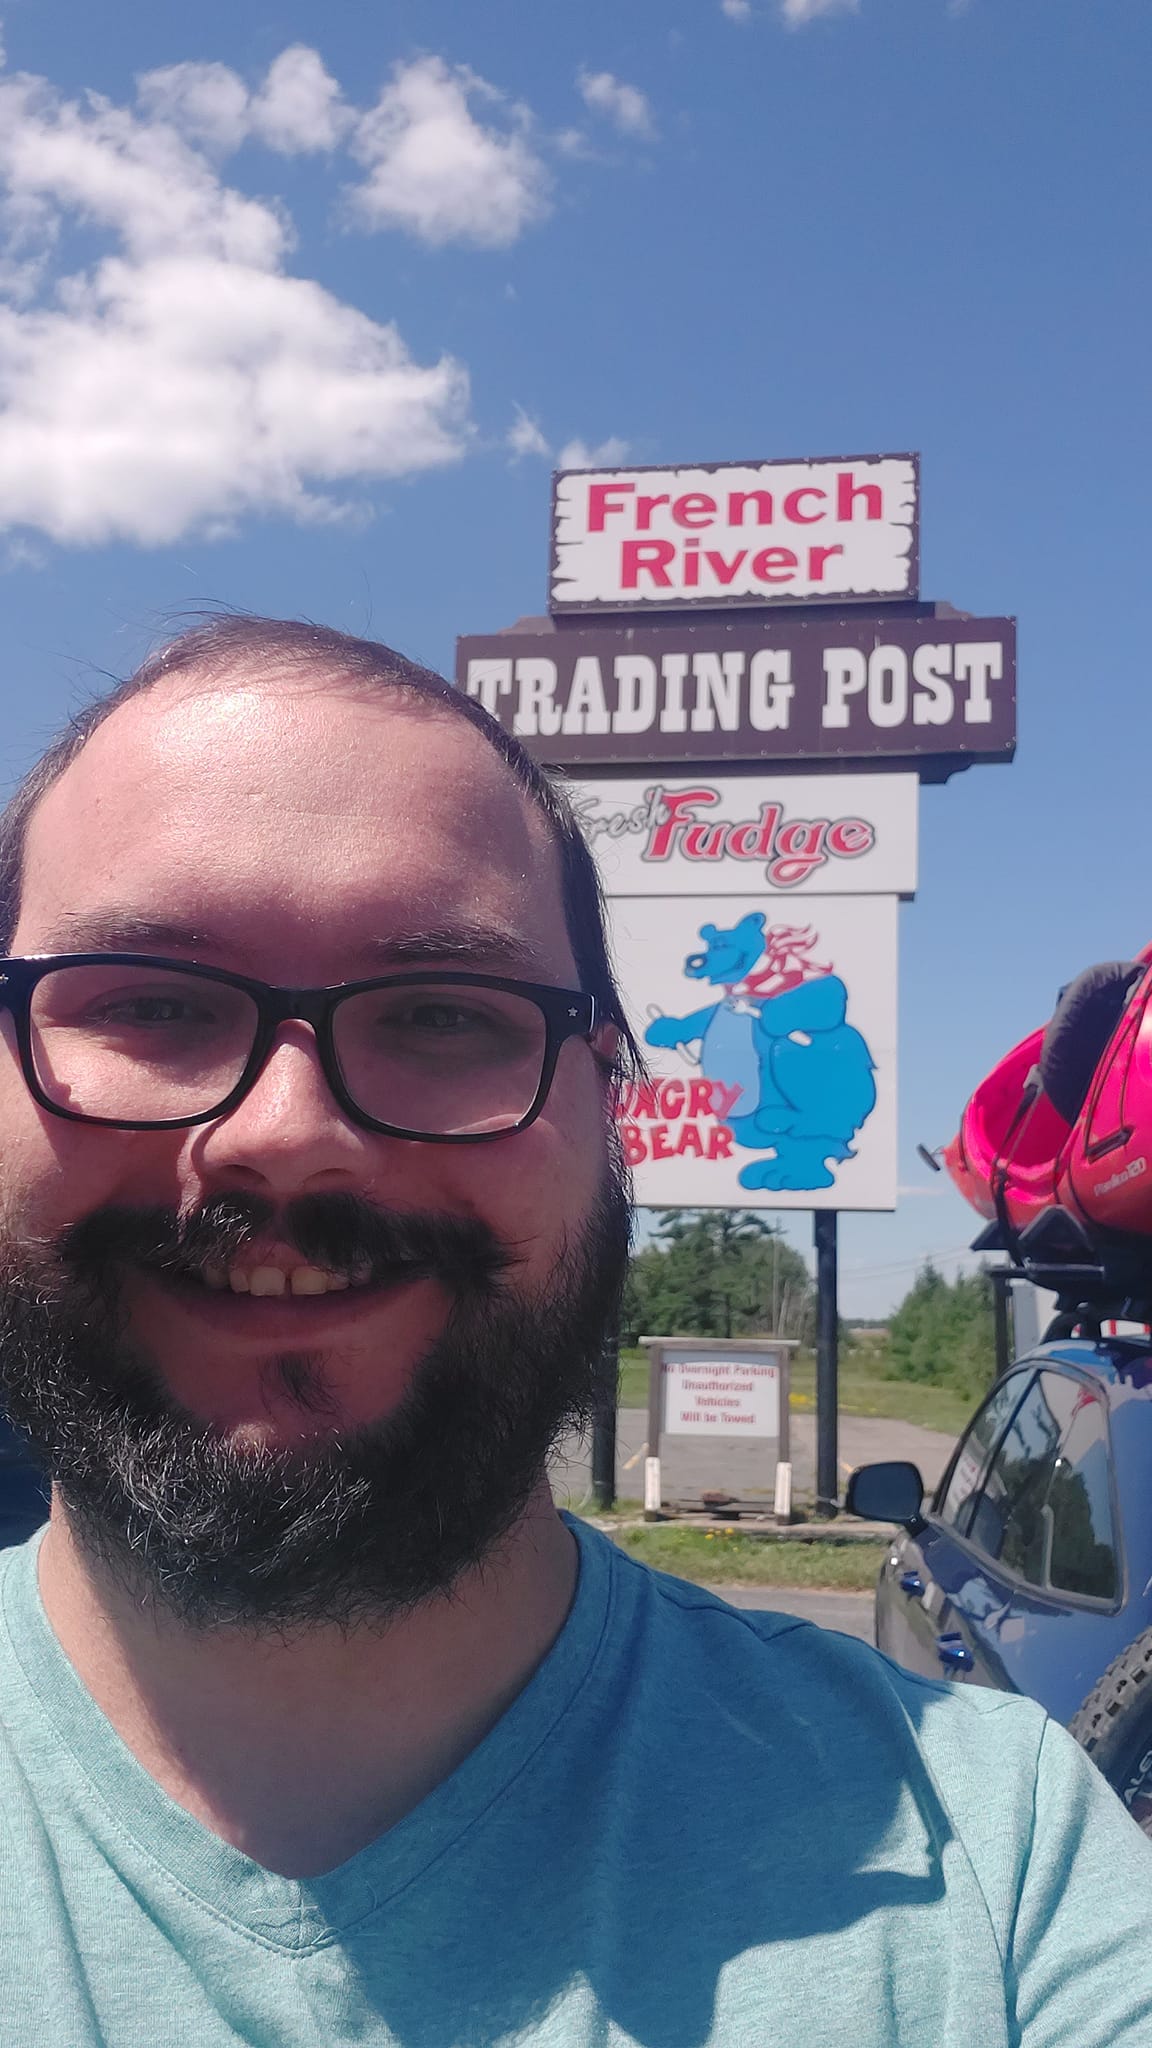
(355, 1527)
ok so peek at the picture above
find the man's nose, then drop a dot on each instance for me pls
(289, 1131)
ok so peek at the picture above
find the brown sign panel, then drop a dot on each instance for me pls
(925, 689)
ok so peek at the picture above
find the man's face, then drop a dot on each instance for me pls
(306, 835)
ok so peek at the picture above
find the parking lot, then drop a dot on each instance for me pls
(850, 1613)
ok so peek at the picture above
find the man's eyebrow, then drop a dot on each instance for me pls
(464, 944)
(456, 945)
(120, 931)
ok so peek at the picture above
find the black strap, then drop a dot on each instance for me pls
(1085, 1017)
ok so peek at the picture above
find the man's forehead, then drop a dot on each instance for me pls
(264, 772)
(303, 742)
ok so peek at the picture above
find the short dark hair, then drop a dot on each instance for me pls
(214, 645)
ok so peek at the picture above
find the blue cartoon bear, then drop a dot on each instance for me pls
(724, 1028)
(781, 1036)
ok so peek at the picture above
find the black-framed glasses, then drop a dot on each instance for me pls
(148, 1044)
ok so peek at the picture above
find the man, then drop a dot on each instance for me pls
(317, 1725)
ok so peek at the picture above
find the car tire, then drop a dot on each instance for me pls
(1114, 1727)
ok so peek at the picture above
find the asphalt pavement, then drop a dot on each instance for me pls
(850, 1613)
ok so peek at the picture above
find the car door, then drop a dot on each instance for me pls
(1037, 1611)
(23, 1489)
(927, 1567)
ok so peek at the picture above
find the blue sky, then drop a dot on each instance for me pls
(300, 306)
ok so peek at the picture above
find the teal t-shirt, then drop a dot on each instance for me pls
(695, 1825)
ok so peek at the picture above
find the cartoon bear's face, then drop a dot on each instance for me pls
(728, 955)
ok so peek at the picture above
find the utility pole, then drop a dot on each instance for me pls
(827, 1364)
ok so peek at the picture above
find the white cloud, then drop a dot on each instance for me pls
(137, 178)
(207, 103)
(525, 436)
(797, 12)
(298, 108)
(185, 379)
(736, 10)
(578, 454)
(624, 105)
(436, 170)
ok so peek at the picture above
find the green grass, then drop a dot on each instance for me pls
(863, 1391)
(634, 1379)
(721, 1558)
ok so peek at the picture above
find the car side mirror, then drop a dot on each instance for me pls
(892, 1492)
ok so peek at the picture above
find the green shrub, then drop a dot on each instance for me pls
(943, 1332)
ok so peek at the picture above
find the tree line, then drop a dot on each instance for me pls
(731, 1273)
(944, 1332)
(717, 1273)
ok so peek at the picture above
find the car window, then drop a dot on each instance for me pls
(962, 1487)
(1045, 1508)
(1008, 1521)
(1083, 1548)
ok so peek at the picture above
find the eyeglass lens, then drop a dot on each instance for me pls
(144, 1045)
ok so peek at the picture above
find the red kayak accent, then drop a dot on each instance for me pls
(999, 1135)
(1105, 1174)
(1017, 1154)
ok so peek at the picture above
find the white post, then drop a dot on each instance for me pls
(782, 1499)
(652, 1486)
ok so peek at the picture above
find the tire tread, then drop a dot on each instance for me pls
(1126, 1683)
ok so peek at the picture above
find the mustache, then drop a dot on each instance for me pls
(339, 1232)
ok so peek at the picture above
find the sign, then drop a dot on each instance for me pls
(706, 1394)
(717, 1420)
(773, 689)
(735, 533)
(771, 1047)
(751, 836)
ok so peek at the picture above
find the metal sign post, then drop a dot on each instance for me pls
(827, 1364)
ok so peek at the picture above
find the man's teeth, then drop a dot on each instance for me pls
(270, 1280)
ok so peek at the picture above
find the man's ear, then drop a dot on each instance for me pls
(605, 1042)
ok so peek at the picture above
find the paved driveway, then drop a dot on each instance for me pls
(850, 1613)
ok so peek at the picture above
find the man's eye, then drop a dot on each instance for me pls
(145, 1011)
(439, 1018)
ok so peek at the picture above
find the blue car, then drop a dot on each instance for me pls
(23, 1489)
(1031, 1568)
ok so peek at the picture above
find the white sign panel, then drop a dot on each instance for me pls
(771, 1048)
(725, 1396)
(702, 835)
(735, 533)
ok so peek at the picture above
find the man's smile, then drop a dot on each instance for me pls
(274, 1302)
(273, 1280)
(272, 1271)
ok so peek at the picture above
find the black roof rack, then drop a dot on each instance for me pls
(1104, 1273)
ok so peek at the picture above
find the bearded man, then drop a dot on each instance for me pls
(317, 1723)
